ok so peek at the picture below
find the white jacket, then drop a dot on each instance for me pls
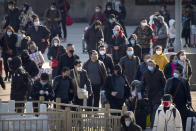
(172, 30)
(166, 121)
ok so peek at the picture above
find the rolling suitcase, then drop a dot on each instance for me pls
(193, 36)
(191, 124)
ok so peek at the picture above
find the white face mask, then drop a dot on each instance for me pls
(158, 52)
(97, 10)
(183, 57)
(55, 43)
(143, 24)
(101, 52)
(79, 68)
(127, 123)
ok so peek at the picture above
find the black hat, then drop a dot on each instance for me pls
(167, 97)
(180, 69)
(65, 69)
(44, 76)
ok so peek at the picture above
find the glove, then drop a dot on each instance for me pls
(41, 92)
(189, 104)
(47, 93)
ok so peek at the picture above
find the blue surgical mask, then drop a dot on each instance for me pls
(130, 53)
(115, 32)
(176, 75)
(150, 68)
(36, 23)
(132, 41)
(9, 33)
(43, 83)
(175, 61)
(19, 35)
(111, 21)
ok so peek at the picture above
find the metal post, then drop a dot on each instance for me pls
(178, 18)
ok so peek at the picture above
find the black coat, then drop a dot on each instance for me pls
(154, 83)
(52, 52)
(84, 81)
(37, 36)
(9, 43)
(108, 62)
(65, 60)
(168, 70)
(60, 91)
(108, 32)
(37, 87)
(13, 19)
(137, 50)
(93, 38)
(30, 66)
(140, 71)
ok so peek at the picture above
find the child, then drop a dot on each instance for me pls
(167, 116)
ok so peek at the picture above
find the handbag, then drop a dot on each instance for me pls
(69, 21)
(55, 61)
(81, 93)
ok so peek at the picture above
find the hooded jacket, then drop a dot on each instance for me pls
(161, 60)
(133, 126)
(167, 121)
(172, 29)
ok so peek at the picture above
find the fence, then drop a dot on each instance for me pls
(57, 116)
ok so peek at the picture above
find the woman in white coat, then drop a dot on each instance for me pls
(167, 116)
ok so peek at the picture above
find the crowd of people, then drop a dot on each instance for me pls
(120, 68)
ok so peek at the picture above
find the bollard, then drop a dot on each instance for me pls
(58, 100)
(107, 117)
(41, 99)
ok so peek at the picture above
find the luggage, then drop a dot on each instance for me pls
(191, 124)
(193, 36)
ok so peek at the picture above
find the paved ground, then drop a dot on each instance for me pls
(75, 36)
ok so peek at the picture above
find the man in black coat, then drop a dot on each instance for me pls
(67, 59)
(154, 83)
(94, 36)
(179, 88)
(106, 59)
(83, 82)
(39, 34)
(97, 74)
(63, 86)
(13, 16)
(29, 65)
(128, 122)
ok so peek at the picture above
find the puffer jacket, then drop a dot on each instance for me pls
(161, 60)
(167, 121)
(172, 29)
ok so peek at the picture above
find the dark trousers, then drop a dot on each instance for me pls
(96, 95)
(116, 103)
(2, 82)
(64, 28)
(145, 50)
(154, 108)
(6, 67)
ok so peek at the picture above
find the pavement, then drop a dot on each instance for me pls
(75, 33)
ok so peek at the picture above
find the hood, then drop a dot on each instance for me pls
(160, 19)
(108, 4)
(14, 63)
(55, 38)
(151, 20)
(137, 84)
(128, 114)
(171, 22)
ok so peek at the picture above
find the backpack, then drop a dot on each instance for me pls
(173, 111)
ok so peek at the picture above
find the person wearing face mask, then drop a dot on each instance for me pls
(67, 59)
(171, 66)
(161, 32)
(97, 73)
(116, 88)
(179, 88)
(164, 12)
(8, 45)
(63, 86)
(54, 52)
(186, 64)
(106, 59)
(144, 35)
(39, 34)
(128, 122)
(142, 67)
(154, 83)
(160, 58)
(13, 16)
(94, 36)
(42, 87)
(108, 30)
(83, 82)
(129, 64)
(109, 10)
(133, 43)
(98, 15)
(119, 42)
(167, 116)
(53, 17)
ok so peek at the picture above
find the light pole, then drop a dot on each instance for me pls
(178, 18)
